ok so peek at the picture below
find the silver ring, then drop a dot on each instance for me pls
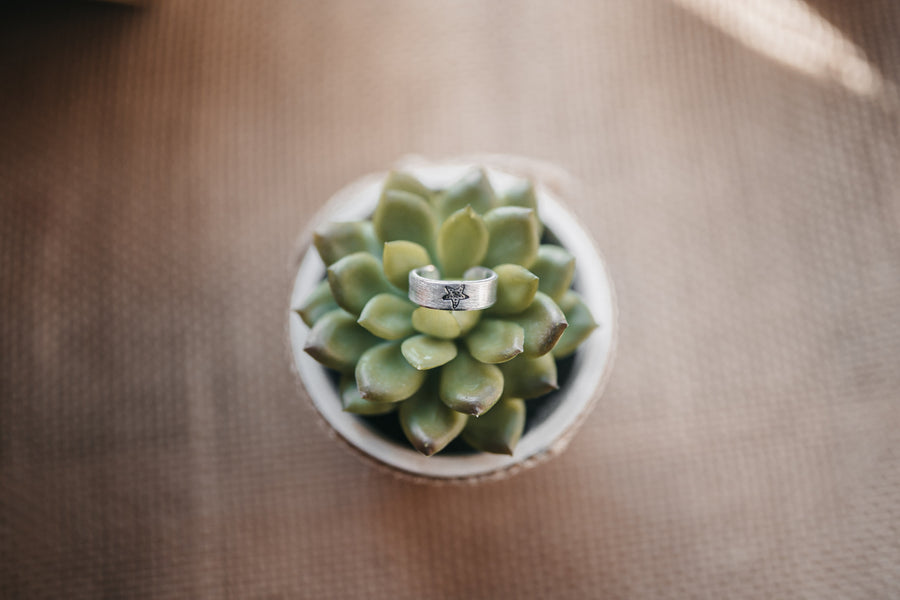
(476, 291)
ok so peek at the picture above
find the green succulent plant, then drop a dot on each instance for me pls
(446, 373)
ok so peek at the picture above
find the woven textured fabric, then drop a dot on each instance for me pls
(158, 162)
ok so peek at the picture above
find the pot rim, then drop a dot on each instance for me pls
(592, 361)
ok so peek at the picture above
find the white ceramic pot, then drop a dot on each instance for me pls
(547, 433)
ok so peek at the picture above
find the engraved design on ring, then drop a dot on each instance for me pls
(477, 289)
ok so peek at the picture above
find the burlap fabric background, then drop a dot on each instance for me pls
(157, 164)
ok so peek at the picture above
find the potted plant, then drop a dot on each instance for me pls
(440, 381)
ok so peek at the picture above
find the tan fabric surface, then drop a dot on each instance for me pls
(157, 164)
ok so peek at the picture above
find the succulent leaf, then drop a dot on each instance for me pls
(514, 236)
(355, 279)
(467, 319)
(436, 323)
(354, 403)
(462, 242)
(428, 423)
(401, 257)
(388, 316)
(555, 267)
(425, 352)
(516, 287)
(404, 216)
(404, 182)
(473, 190)
(529, 377)
(319, 302)
(544, 322)
(383, 375)
(520, 193)
(495, 341)
(334, 241)
(581, 324)
(337, 341)
(499, 430)
(469, 386)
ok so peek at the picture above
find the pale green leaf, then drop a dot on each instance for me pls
(514, 236)
(581, 324)
(404, 216)
(355, 279)
(404, 182)
(318, 303)
(473, 190)
(427, 422)
(499, 429)
(467, 319)
(383, 375)
(462, 242)
(337, 341)
(334, 241)
(521, 193)
(529, 377)
(469, 386)
(401, 257)
(436, 323)
(544, 322)
(425, 352)
(516, 287)
(555, 267)
(495, 341)
(354, 403)
(388, 316)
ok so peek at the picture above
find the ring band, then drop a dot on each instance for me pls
(476, 291)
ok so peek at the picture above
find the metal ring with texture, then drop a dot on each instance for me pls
(475, 291)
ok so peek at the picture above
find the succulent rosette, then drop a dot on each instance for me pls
(446, 373)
